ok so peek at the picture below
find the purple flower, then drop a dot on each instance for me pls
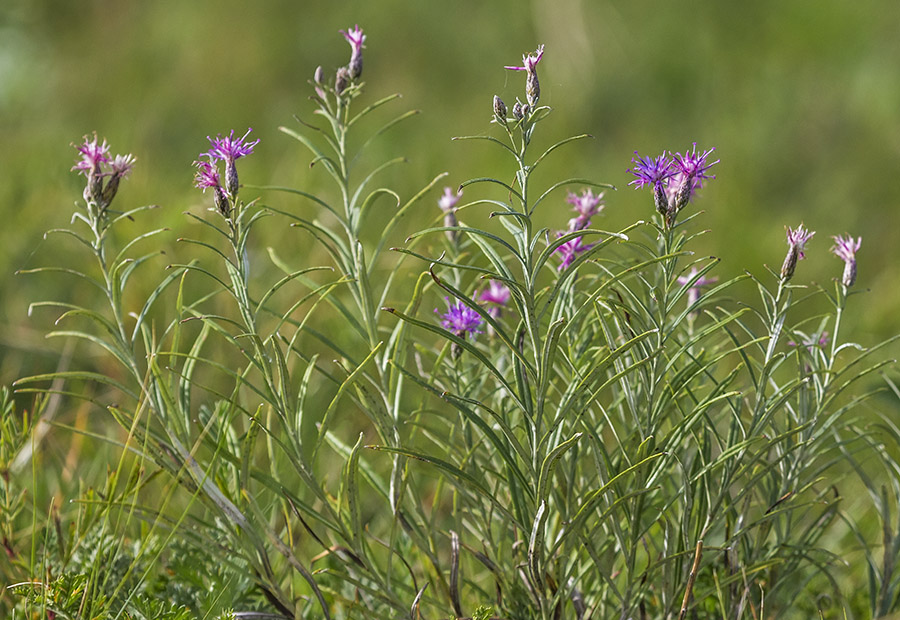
(811, 342)
(461, 320)
(530, 61)
(570, 250)
(92, 155)
(674, 179)
(587, 205)
(122, 165)
(797, 240)
(846, 249)
(355, 38)
(448, 199)
(96, 165)
(694, 291)
(693, 165)
(228, 150)
(496, 296)
(207, 177)
(532, 86)
(650, 171)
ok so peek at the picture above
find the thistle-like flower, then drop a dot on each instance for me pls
(845, 249)
(207, 177)
(691, 170)
(797, 239)
(674, 179)
(96, 165)
(532, 86)
(356, 39)
(228, 150)
(654, 172)
(570, 250)
(496, 295)
(120, 167)
(586, 205)
(461, 320)
(693, 294)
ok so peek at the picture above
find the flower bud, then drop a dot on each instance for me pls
(790, 263)
(231, 178)
(499, 110)
(517, 111)
(341, 80)
(319, 76)
(221, 201)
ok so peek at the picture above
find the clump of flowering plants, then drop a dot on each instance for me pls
(511, 422)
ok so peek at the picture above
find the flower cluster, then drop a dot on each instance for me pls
(226, 149)
(103, 173)
(674, 179)
(586, 205)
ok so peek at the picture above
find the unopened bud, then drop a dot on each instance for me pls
(356, 64)
(499, 110)
(790, 263)
(112, 186)
(341, 80)
(319, 76)
(231, 178)
(221, 201)
(517, 111)
(94, 189)
(660, 200)
(849, 273)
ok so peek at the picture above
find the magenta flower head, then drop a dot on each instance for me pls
(356, 39)
(570, 250)
(228, 149)
(846, 249)
(797, 240)
(497, 295)
(447, 203)
(207, 177)
(93, 153)
(694, 292)
(532, 86)
(674, 179)
(691, 170)
(96, 165)
(461, 320)
(586, 205)
(655, 172)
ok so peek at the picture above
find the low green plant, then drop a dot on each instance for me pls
(588, 426)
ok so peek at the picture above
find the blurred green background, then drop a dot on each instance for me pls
(801, 100)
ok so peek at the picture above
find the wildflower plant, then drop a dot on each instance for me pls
(512, 421)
